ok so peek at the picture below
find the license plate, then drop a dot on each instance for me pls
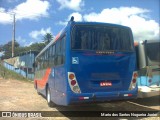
(102, 84)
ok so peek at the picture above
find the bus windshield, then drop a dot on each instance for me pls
(152, 50)
(101, 38)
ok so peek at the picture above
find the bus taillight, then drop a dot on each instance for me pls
(73, 82)
(150, 80)
(71, 76)
(135, 75)
(133, 81)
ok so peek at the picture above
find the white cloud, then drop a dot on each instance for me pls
(37, 34)
(71, 4)
(137, 19)
(32, 9)
(77, 17)
(5, 18)
(26, 10)
(21, 41)
(114, 15)
(129, 16)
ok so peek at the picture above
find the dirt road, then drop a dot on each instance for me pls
(18, 95)
(21, 96)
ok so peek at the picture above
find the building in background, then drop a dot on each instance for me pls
(22, 64)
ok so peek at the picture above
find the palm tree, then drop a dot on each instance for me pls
(48, 37)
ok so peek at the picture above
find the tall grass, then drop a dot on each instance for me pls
(9, 74)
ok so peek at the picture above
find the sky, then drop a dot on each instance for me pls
(35, 18)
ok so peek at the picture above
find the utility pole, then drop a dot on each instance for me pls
(13, 35)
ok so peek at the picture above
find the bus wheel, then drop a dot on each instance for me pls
(37, 89)
(48, 96)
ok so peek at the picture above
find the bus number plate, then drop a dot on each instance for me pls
(105, 84)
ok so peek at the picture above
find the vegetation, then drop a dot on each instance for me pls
(8, 74)
(7, 48)
(48, 37)
(19, 49)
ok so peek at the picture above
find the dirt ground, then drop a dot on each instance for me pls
(18, 95)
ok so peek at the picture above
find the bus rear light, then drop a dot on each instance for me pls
(135, 75)
(71, 76)
(127, 95)
(150, 80)
(73, 82)
(83, 98)
(133, 81)
(76, 89)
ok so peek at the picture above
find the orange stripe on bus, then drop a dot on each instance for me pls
(42, 83)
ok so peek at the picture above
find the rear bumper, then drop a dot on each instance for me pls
(101, 96)
(145, 91)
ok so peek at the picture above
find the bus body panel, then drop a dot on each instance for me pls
(149, 68)
(58, 85)
(100, 96)
(117, 68)
(93, 69)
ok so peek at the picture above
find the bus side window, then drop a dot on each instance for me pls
(53, 55)
(63, 49)
(38, 65)
(60, 53)
(49, 56)
(56, 53)
(41, 63)
(59, 57)
(46, 58)
(143, 72)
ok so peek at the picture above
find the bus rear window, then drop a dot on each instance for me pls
(152, 50)
(101, 38)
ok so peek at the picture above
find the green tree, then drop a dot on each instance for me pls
(19, 49)
(8, 49)
(36, 47)
(48, 37)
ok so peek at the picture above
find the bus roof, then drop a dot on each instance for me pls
(152, 41)
(98, 23)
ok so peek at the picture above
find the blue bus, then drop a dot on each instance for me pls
(88, 62)
(148, 59)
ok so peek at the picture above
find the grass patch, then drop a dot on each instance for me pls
(9, 74)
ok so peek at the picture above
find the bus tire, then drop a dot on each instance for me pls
(37, 90)
(48, 97)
